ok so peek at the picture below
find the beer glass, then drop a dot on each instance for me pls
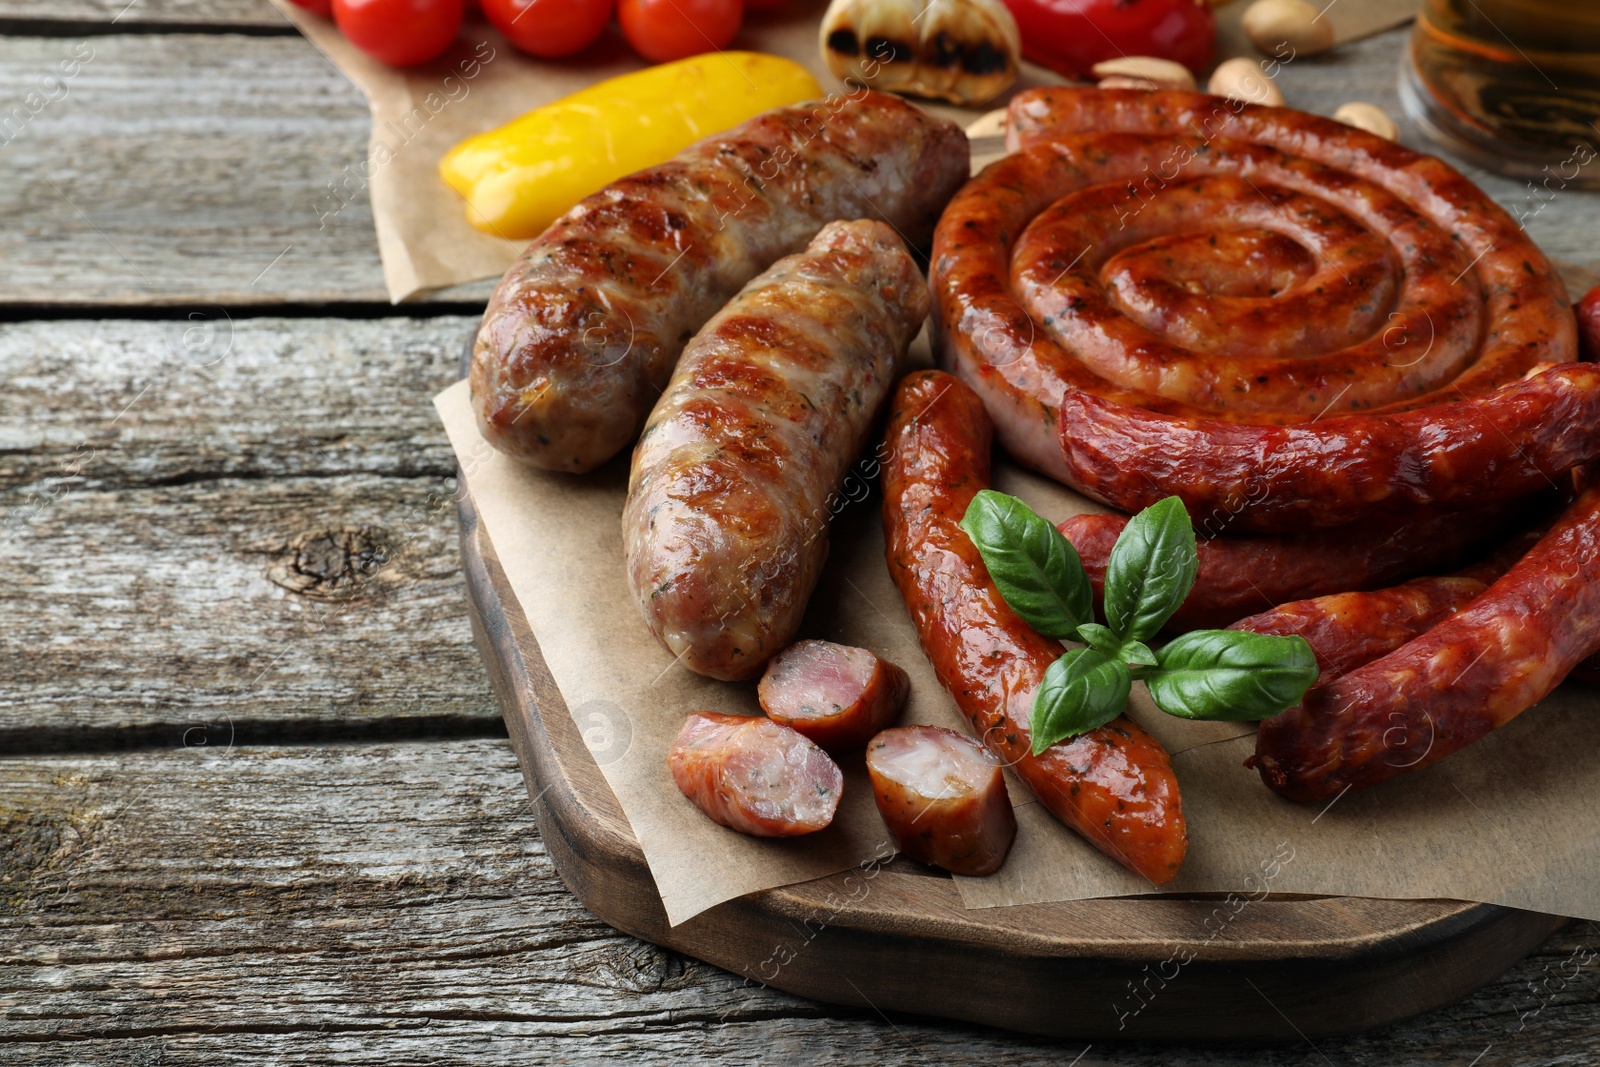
(1513, 85)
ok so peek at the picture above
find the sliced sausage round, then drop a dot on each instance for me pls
(754, 775)
(836, 695)
(943, 798)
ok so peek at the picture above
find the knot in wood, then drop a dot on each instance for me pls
(330, 563)
(640, 968)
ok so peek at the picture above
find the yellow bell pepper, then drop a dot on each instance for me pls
(520, 178)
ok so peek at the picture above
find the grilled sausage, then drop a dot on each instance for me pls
(1113, 785)
(726, 523)
(943, 798)
(1471, 673)
(1239, 576)
(1483, 450)
(834, 694)
(1276, 317)
(1350, 630)
(755, 776)
(585, 328)
(1588, 313)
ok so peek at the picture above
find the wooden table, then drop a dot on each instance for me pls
(256, 801)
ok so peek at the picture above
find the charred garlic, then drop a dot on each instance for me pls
(964, 51)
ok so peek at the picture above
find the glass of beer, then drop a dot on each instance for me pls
(1513, 85)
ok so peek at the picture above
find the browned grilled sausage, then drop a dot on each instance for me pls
(584, 330)
(1240, 576)
(755, 776)
(943, 798)
(1113, 785)
(726, 523)
(1588, 313)
(1350, 630)
(1271, 315)
(834, 694)
(1469, 674)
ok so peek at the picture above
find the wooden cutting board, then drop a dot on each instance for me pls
(897, 939)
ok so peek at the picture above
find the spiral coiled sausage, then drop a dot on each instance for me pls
(1280, 319)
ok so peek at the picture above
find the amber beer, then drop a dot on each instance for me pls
(1513, 85)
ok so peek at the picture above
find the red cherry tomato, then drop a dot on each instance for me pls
(549, 28)
(399, 32)
(664, 30)
(1071, 36)
(316, 7)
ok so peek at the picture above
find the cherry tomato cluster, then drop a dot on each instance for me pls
(405, 32)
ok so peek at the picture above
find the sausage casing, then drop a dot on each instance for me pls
(1282, 320)
(1468, 675)
(1241, 576)
(836, 695)
(1350, 630)
(755, 776)
(943, 798)
(726, 523)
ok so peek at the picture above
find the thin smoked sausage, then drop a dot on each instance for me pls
(1113, 785)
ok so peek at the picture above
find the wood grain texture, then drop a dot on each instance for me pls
(176, 402)
(176, 170)
(177, 167)
(394, 904)
(103, 15)
(263, 546)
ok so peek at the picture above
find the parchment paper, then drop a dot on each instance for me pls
(482, 82)
(1514, 819)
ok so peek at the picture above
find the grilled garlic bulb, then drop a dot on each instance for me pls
(964, 51)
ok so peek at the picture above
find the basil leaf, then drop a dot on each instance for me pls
(1083, 689)
(1136, 654)
(1133, 653)
(1151, 570)
(1035, 568)
(1231, 675)
(1101, 639)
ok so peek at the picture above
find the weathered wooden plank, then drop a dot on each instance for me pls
(183, 170)
(176, 169)
(117, 403)
(153, 504)
(392, 904)
(255, 529)
(247, 608)
(100, 15)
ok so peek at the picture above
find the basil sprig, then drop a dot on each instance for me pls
(1224, 675)
(1043, 578)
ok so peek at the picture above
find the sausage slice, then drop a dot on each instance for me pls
(836, 695)
(754, 775)
(943, 797)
